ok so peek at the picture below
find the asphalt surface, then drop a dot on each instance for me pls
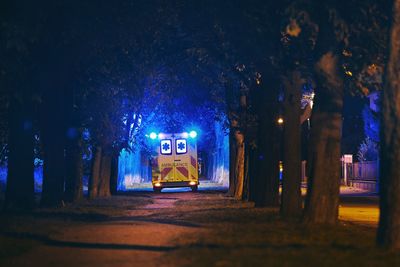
(143, 235)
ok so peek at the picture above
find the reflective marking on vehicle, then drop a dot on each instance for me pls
(165, 172)
(183, 171)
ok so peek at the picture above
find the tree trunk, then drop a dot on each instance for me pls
(272, 185)
(114, 175)
(266, 170)
(74, 169)
(291, 205)
(99, 184)
(322, 200)
(53, 173)
(103, 188)
(95, 172)
(260, 173)
(55, 81)
(20, 180)
(232, 165)
(266, 164)
(239, 165)
(248, 193)
(389, 219)
(53, 139)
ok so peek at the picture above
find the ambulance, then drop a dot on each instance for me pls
(176, 162)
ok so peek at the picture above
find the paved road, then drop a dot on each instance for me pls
(139, 238)
(142, 236)
(360, 208)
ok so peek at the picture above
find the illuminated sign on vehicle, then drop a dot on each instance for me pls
(166, 147)
(181, 146)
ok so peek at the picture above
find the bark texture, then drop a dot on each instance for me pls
(250, 168)
(232, 166)
(291, 205)
(266, 164)
(53, 139)
(95, 173)
(99, 184)
(103, 187)
(266, 167)
(74, 170)
(389, 220)
(239, 165)
(236, 161)
(55, 82)
(53, 173)
(20, 182)
(322, 200)
(114, 175)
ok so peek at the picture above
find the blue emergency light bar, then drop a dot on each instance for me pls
(191, 134)
(153, 135)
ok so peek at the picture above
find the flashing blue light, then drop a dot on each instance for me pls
(193, 134)
(153, 135)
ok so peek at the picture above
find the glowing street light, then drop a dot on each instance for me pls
(280, 121)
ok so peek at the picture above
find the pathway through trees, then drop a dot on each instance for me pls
(182, 229)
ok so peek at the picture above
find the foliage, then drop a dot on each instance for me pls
(3, 154)
(368, 150)
(371, 124)
(365, 55)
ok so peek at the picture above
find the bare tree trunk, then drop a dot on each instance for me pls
(232, 165)
(103, 188)
(260, 173)
(53, 139)
(114, 175)
(272, 186)
(74, 170)
(389, 220)
(239, 164)
(266, 169)
(251, 173)
(248, 192)
(20, 180)
(269, 166)
(55, 80)
(53, 173)
(99, 183)
(238, 123)
(322, 200)
(95, 172)
(291, 205)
